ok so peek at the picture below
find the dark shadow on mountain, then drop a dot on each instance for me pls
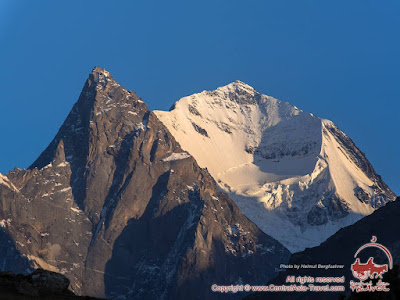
(146, 252)
(10, 258)
(341, 248)
(119, 184)
(74, 133)
(300, 138)
(77, 142)
(120, 179)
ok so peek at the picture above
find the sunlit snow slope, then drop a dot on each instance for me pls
(298, 177)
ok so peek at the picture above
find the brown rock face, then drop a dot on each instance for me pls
(116, 205)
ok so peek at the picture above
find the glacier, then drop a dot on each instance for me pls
(297, 176)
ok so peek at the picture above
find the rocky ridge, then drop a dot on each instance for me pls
(117, 206)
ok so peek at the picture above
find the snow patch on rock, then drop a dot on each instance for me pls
(177, 156)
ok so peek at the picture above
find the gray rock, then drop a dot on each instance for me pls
(117, 206)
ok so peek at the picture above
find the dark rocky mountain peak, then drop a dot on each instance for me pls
(117, 206)
(103, 119)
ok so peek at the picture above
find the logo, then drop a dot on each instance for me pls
(370, 274)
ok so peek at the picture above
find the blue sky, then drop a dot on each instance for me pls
(336, 59)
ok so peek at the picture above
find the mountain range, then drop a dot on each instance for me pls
(117, 206)
(130, 203)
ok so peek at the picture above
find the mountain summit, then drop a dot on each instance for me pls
(298, 177)
(118, 207)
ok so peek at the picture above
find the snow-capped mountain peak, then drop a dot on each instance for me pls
(237, 87)
(298, 177)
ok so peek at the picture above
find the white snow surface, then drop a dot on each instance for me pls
(274, 160)
(177, 156)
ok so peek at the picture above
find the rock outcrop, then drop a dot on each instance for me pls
(40, 284)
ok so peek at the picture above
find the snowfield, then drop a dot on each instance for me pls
(298, 177)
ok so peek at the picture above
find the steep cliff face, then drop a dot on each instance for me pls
(298, 177)
(118, 207)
